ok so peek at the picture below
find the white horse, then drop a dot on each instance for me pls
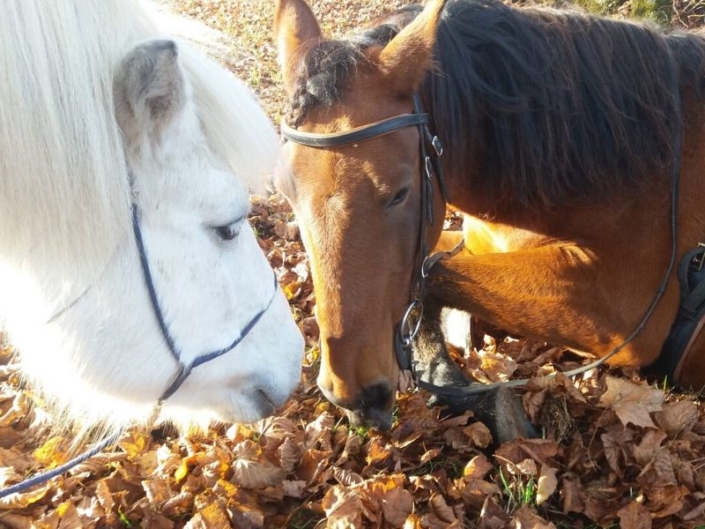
(100, 117)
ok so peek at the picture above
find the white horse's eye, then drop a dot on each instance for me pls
(229, 231)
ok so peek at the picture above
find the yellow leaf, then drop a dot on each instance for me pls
(62, 509)
(225, 488)
(291, 290)
(133, 443)
(52, 453)
(181, 472)
(212, 516)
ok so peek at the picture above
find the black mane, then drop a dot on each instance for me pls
(536, 105)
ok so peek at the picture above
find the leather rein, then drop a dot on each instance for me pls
(409, 326)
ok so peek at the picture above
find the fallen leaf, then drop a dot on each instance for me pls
(634, 516)
(527, 518)
(477, 468)
(397, 506)
(677, 417)
(631, 402)
(211, 517)
(546, 485)
(441, 508)
(255, 475)
(343, 507)
(478, 434)
(53, 452)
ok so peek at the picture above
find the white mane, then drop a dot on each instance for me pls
(67, 249)
(61, 154)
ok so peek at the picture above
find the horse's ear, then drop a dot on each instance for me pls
(294, 24)
(149, 89)
(406, 59)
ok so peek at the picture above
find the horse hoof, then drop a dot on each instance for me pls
(499, 409)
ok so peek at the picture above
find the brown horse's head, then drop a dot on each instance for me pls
(358, 205)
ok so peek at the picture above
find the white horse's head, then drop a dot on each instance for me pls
(95, 125)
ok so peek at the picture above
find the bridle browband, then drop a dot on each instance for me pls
(184, 370)
(410, 324)
(366, 132)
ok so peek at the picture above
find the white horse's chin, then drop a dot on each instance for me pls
(237, 408)
(233, 407)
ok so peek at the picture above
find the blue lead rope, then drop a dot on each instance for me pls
(49, 474)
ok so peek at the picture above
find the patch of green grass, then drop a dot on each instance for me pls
(658, 11)
(518, 490)
(125, 521)
(361, 431)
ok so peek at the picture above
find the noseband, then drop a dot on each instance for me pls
(409, 326)
(184, 370)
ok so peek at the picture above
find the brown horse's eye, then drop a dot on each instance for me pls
(399, 197)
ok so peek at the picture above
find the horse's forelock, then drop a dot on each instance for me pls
(236, 127)
(328, 66)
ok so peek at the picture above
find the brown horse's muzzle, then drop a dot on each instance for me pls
(373, 408)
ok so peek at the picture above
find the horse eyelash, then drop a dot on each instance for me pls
(399, 197)
(229, 232)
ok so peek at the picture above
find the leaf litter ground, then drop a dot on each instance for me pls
(616, 449)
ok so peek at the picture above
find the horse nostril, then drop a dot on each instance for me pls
(374, 408)
(376, 396)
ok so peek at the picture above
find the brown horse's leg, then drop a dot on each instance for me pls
(500, 409)
(476, 327)
(550, 292)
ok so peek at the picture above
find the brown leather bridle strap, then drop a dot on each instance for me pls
(356, 135)
(409, 325)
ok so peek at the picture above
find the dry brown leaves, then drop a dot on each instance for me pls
(616, 451)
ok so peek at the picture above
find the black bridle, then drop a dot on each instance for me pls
(410, 324)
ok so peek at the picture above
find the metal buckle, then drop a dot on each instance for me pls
(429, 168)
(437, 146)
(406, 334)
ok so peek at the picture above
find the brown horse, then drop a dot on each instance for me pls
(566, 141)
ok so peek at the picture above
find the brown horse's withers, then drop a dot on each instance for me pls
(562, 136)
